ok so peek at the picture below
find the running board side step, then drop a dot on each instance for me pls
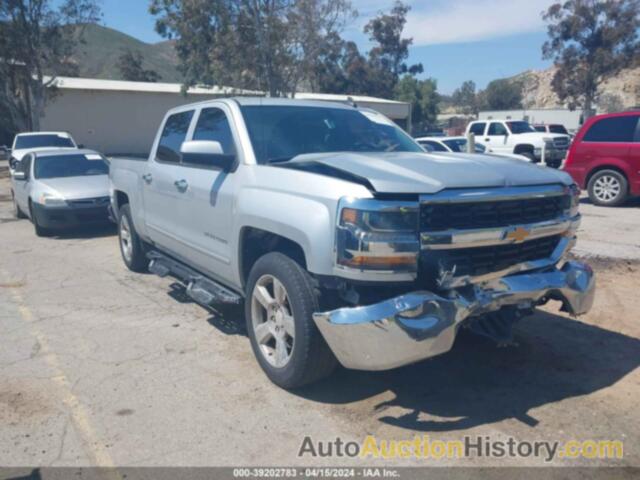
(199, 288)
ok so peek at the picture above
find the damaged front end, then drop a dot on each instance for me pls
(482, 258)
(421, 324)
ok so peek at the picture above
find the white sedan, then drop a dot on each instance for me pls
(459, 145)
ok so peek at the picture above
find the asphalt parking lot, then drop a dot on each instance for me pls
(100, 366)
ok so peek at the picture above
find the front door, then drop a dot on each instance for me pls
(21, 187)
(496, 138)
(207, 204)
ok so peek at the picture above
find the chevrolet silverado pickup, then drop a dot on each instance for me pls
(345, 241)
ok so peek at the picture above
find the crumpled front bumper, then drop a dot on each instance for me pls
(421, 324)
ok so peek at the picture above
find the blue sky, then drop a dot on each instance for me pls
(455, 40)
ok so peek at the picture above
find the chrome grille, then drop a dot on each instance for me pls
(436, 217)
(482, 260)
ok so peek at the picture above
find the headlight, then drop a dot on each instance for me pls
(574, 191)
(378, 235)
(52, 200)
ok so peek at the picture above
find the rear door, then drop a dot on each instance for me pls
(634, 160)
(162, 196)
(608, 142)
(207, 204)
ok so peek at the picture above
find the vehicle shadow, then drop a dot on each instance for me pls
(477, 383)
(92, 231)
(225, 318)
(633, 202)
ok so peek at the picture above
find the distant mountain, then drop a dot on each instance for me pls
(538, 93)
(97, 56)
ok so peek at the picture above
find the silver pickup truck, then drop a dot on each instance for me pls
(344, 239)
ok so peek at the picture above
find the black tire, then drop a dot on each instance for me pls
(599, 195)
(310, 358)
(530, 156)
(17, 212)
(136, 258)
(40, 231)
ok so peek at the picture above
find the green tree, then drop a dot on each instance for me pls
(465, 98)
(130, 66)
(589, 42)
(37, 42)
(388, 57)
(424, 99)
(269, 45)
(502, 94)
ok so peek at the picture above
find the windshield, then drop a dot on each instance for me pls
(460, 145)
(56, 166)
(520, 127)
(279, 133)
(558, 129)
(45, 140)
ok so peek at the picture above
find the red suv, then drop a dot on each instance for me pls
(605, 157)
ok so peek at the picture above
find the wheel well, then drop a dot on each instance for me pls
(121, 199)
(254, 243)
(523, 149)
(604, 167)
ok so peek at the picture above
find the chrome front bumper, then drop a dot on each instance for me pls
(421, 324)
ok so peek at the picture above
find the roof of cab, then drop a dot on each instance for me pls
(65, 151)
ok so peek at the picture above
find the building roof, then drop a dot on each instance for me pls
(73, 83)
(333, 97)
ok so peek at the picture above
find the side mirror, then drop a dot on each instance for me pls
(19, 176)
(207, 153)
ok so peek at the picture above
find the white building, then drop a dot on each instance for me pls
(572, 120)
(117, 117)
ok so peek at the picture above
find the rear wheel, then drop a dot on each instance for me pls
(131, 246)
(608, 188)
(530, 156)
(279, 306)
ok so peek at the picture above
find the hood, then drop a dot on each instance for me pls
(18, 154)
(75, 188)
(539, 136)
(413, 172)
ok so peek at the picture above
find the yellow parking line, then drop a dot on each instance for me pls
(95, 449)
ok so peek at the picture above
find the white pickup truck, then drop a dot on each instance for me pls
(346, 241)
(519, 137)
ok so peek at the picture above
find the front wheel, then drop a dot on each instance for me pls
(17, 211)
(131, 247)
(279, 306)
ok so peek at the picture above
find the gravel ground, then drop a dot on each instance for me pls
(100, 366)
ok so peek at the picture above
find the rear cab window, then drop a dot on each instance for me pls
(620, 129)
(477, 128)
(173, 135)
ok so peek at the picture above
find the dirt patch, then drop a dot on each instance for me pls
(20, 400)
(12, 285)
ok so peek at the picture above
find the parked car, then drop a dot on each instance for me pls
(459, 145)
(59, 189)
(605, 158)
(347, 241)
(4, 152)
(38, 141)
(551, 128)
(518, 137)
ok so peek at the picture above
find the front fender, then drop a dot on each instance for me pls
(309, 222)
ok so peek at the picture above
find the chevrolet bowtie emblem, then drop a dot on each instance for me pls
(518, 235)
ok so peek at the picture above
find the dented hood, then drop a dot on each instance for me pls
(412, 172)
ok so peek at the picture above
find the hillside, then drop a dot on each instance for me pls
(98, 55)
(537, 91)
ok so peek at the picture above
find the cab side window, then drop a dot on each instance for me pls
(173, 134)
(497, 129)
(214, 126)
(477, 128)
(433, 146)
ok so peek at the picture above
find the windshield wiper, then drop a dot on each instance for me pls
(279, 159)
